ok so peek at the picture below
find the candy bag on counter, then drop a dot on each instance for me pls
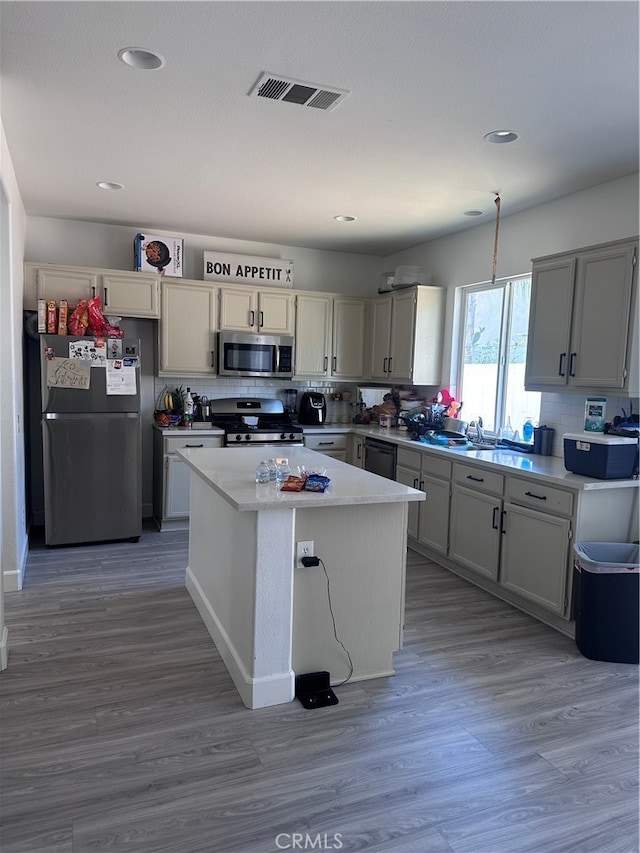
(316, 483)
(78, 322)
(98, 324)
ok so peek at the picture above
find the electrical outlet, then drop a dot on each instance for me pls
(303, 549)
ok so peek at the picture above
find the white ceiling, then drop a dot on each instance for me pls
(404, 152)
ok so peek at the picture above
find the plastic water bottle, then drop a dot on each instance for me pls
(283, 470)
(262, 472)
(273, 469)
(527, 431)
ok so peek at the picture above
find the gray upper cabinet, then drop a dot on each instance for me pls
(580, 323)
(407, 336)
(125, 294)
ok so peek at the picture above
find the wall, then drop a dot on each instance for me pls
(63, 241)
(597, 215)
(13, 535)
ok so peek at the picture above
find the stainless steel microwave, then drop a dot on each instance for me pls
(244, 354)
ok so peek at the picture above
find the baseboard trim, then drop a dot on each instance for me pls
(4, 648)
(13, 579)
(254, 692)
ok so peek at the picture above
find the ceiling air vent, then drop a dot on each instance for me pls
(278, 88)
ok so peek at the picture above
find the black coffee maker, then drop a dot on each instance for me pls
(313, 409)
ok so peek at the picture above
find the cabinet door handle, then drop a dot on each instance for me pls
(194, 445)
(213, 364)
(252, 318)
(384, 365)
(390, 362)
(326, 363)
(359, 452)
(93, 290)
(563, 355)
(494, 521)
(422, 485)
(502, 523)
(335, 363)
(261, 319)
(415, 483)
(537, 497)
(106, 297)
(571, 361)
(475, 479)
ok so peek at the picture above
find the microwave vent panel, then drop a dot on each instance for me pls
(278, 88)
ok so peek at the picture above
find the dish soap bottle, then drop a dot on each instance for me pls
(527, 431)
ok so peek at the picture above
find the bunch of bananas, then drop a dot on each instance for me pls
(170, 401)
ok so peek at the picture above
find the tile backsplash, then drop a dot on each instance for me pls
(565, 413)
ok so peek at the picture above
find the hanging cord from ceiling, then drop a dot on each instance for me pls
(495, 242)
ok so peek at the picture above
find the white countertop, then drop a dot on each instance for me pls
(549, 469)
(177, 430)
(231, 473)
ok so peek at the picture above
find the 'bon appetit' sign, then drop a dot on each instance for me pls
(247, 269)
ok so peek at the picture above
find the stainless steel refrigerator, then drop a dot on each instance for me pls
(91, 441)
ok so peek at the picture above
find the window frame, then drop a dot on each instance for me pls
(507, 285)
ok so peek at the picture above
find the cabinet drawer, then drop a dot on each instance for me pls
(436, 466)
(326, 442)
(409, 458)
(479, 478)
(175, 442)
(540, 496)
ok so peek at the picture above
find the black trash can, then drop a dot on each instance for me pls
(606, 601)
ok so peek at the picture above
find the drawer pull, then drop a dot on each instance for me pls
(475, 479)
(325, 443)
(194, 445)
(537, 497)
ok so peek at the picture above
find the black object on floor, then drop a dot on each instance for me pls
(313, 690)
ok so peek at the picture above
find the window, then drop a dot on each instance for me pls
(493, 335)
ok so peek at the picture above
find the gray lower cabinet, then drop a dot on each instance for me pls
(511, 534)
(331, 444)
(535, 556)
(474, 525)
(429, 519)
(172, 477)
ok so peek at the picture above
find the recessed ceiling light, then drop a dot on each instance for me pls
(501, 136)
(343, 218)
(109, 185)
(473, 212)
(141, 58)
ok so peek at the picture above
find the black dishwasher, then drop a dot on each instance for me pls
(380, 458)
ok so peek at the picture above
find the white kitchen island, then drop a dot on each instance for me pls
(271, 621)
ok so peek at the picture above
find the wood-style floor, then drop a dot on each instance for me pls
(121, 730)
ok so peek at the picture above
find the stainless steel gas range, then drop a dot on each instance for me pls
(255, 421)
